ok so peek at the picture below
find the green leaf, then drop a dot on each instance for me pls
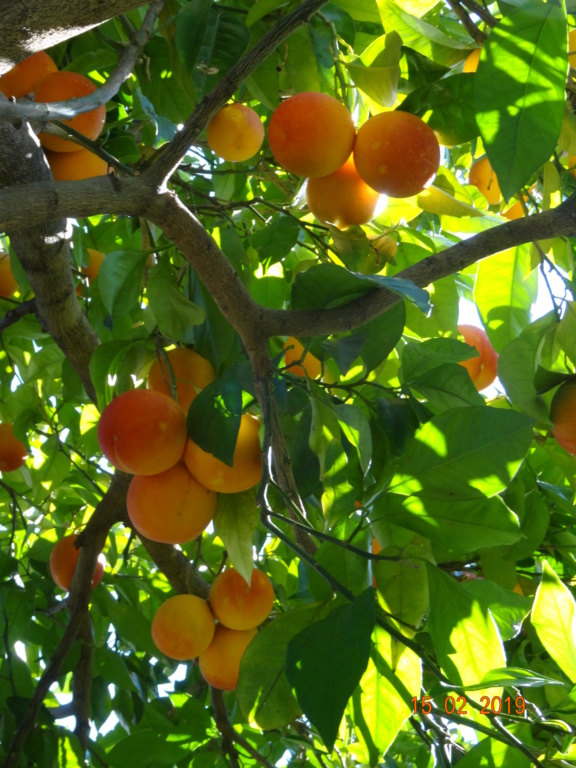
(464, 525)
(402, 587)
(356, 428)
(173, 312)
(130, 623)
(420, 35)
(379, 71)
(263, 692)
(520, 91)
(381, 703)
(235, 521)
(507, 607)
(147, 748)
(225, 40)
(419, 358)
(348, 568)
(448, 107)
(464, 452)
(553, 618)
(215, 414)
(505, 290)
(263, 8)
(120, 279)
(465, 636)
(321, 667)
(518, 363)
(500, 754)
(447, 386)
(525, 678)
(275, 241)
(191, 22)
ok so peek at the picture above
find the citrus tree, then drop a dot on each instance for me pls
(336, 513)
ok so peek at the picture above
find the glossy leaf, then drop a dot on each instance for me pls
(554, 618)
(519, 91)
(235, 522)
(321, 668)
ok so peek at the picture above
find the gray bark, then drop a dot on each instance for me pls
(27, 26)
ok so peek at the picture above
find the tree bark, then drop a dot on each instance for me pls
(27, 26)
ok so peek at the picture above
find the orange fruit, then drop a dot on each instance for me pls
(171, 507)
(142, 432)
(342, 197)
(220, 662)
(237, 605)
(8, 283)
(63, 561)
(483, 178)
(563, 416)
(299, 363)
(22, 78)
(73, 166)
(483, 369)
(183, 627)
(516, 211)
(376, 548)
(236, 133)
(191, 371)
(471, 63)
(61, 86)
(311, 134)
(246, 469)
(93, 267)
(396, 153)
(13, 453)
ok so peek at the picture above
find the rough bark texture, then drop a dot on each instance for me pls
(44, 252)
(27, 26)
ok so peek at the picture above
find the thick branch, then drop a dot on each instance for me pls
(44, 252)
(65, 110)
(27, 26)
(171, 156)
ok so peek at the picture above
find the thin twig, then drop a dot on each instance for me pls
(170, 156)
(475, 33)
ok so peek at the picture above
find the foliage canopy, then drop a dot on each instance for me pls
(466, 650)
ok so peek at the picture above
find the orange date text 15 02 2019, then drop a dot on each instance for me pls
(456, 705)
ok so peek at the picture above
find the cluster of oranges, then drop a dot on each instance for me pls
(39, 75)
(312, 135)
(217, 631)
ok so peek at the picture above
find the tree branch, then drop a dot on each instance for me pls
(39, 112)
(170, 156)
(27, 26)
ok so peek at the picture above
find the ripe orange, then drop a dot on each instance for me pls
(191, 371)
(22, 78)
(483, 369)
(299, 363)
(73, 166)
(483, 177)
(63, 561)
(13, 453)
(183, 627)
(246, 469)
(311, 134)
(93, 266)
(342, 197)
(61, 86)
(516, 211)
(396, 153)
(142, 432)
(237, 605)
(471, 63)
(8, 283)
(220, 662)
(236, 133)
(171, 507)
(563, 416)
